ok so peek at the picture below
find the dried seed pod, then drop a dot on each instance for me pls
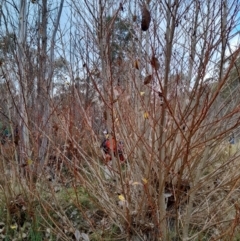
(146, 18)
(155, 63)
(147, 79)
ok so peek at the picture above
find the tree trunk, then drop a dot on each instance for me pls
(45, 81)
(24, 123)
(170, 29)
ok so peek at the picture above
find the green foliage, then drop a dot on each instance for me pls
(77, 195)
(34, 233)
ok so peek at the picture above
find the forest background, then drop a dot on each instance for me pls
(161, 76)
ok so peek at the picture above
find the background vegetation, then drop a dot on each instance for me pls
(161, 76)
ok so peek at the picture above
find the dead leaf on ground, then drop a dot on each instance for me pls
(77, 235)
(85, 237)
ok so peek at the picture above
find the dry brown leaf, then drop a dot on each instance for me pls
(146, 18)
(121, 6)
(155, 63)
(147, 79)
(145, 115)
(105, 115)
(136, 64)
(134, 18)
